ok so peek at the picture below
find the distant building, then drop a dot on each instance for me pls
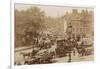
(82, 23)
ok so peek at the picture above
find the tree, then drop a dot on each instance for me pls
(30, 20)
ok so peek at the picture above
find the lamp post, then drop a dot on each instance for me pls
(69, 32)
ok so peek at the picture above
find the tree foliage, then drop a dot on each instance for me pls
(29, 20)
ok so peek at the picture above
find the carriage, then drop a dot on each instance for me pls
(41, 57)
(61, 48)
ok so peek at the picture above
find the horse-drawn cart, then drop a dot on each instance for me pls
(42, 57)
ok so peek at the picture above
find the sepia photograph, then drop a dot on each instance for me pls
(47, 34)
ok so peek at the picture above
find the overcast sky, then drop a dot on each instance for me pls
(50, 10)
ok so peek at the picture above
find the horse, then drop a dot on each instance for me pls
(53, 49)
(80, 49)
(25, 54)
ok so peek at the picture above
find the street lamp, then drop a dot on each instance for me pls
(69, 33)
